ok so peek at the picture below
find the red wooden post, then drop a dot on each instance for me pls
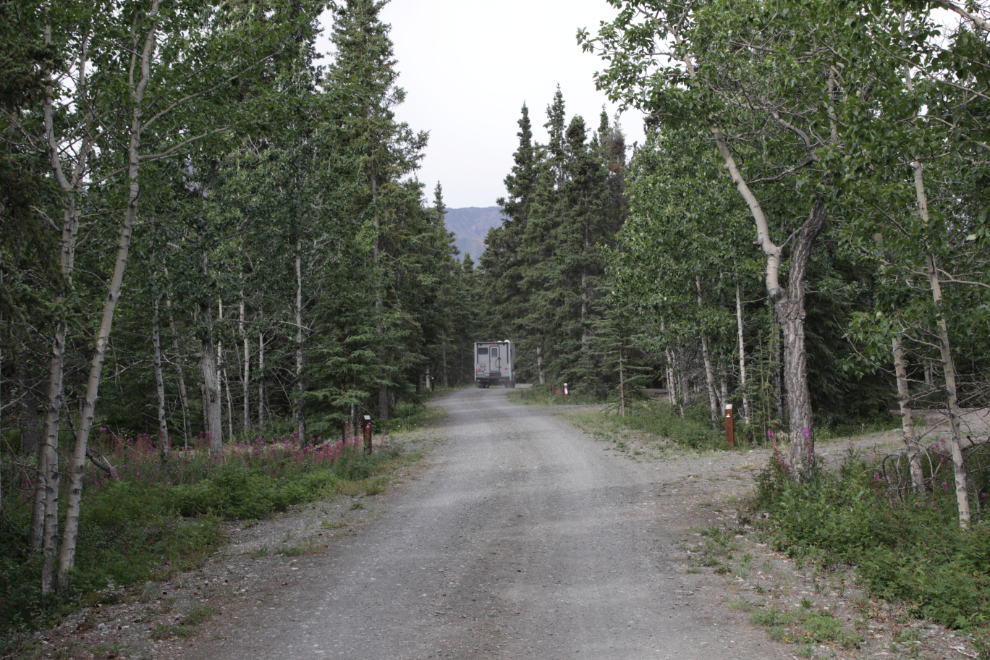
(367, 434)
(730, 426)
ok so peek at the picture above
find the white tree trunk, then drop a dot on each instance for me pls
(952, 400)
(742, 354)
(222, 370)
(622, 387)
(43, 532)
(68, 552)
(212, 413)
(672, 388)
(183, 395)
(945, 348)
(907, 416)
(709, 370)
(710, 382)
(300, 383)
(261, 380)
(163, 439)
(788, 303)
(948, 368)
(246, 369)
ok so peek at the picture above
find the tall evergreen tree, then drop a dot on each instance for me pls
(501, 260)
(364, 76)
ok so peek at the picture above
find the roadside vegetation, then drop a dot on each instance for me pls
(657, 421)
(906, 545)
(146, 519)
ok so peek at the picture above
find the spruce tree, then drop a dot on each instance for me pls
(501, 262)
(364, 77)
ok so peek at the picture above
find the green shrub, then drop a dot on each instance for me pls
(911, 550)
(154, 519)
(694, 430)
(236, 492)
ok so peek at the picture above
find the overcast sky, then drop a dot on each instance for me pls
(467, 67)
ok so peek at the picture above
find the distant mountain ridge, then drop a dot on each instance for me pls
(470, 226)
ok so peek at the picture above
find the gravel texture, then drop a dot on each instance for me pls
(522, 540)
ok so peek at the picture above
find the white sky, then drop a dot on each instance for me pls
(467, 67)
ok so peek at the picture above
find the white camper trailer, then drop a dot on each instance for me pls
(494, 363)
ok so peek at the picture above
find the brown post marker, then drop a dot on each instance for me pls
(367, 434)
(730, 426)
(565, 392)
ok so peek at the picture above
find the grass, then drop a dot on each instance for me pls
(805, 625)
(186, 626)
(657, 424)
(150, 520)
(542, 395)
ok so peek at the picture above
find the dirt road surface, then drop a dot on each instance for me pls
(523, 539)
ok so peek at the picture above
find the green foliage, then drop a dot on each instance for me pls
(910, 549)
(662, 420)
(239, 493)
(155, 520)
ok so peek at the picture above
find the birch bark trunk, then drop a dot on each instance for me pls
(43, 531)
(622, 387)
(212, 414)
(300, 382)
(163, 440)
(777, 351)
(246, 367)
(672, 388)
(78, 464)
(945, 348)
(183, 395)
(709, 370)
(70, 536)
(789, 307)
(223, 380)
(952, 398)
(724, 382)
(261, 380)
(710, 382)
(742, 354)
(907, 416)
(671, 379)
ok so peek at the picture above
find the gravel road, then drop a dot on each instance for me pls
(523, 539)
